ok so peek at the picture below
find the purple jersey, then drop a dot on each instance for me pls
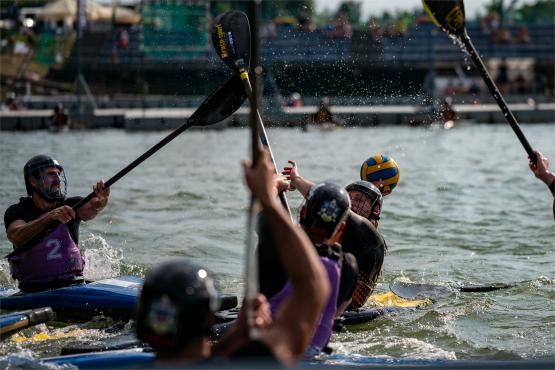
(323, 331)
(56, 257)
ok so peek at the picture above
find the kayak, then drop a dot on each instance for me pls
(115, 297)
(13, 322)
(141, 358)
(135, 357)
(225, 320)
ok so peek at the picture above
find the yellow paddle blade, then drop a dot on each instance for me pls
(447, 14)
(389, 299)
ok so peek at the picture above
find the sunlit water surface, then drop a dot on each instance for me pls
(467, 210)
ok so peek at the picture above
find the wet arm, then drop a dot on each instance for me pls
(296, 319)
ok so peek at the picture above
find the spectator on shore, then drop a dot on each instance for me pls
(500, 36)
(448, 113)
(295, 100)
(521, 85)
(522, 36)
(11, 102)
(269, 30)
(502, 78)
(342, 28)
(490, 22)
(59, 118)
(376, 30)
(454, 89)
(306, 24)
(474, 88)
(323, 115)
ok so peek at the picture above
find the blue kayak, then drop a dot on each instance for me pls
(115, 297)
(136, 357)
(12, 322)
(139, 358)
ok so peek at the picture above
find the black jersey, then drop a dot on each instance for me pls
(27, 211)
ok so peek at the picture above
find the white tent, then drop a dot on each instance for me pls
(67, 10)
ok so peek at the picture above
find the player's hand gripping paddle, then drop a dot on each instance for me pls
(219, 105)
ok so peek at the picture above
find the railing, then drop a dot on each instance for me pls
(423, 44)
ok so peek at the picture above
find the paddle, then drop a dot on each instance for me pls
(410, 290)
(13, 322)
(219, 105)
(231, 39)
(449, 15)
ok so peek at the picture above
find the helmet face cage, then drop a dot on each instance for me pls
(51, 184)
(366, 199)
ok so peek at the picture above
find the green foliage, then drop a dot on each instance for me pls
(352, 9)
(540, 11)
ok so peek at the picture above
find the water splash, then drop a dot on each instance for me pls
(101, 260)
(26, 360)
(5, 276)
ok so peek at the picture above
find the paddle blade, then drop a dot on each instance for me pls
(410, 290)
(447, 14)
(220, 104)
(231, 37)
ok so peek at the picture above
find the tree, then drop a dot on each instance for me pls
(352, 9)
(541, 11)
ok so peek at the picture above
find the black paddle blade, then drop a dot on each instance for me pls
(484, 288)
(447, 14)
(231, 37)
(220, 104)
(409, 290)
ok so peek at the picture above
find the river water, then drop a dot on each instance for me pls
(467, 210)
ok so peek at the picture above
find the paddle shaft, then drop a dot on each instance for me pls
(263, 136)
(496, 94)
(136, 162)
(252, 285)
(14, 327)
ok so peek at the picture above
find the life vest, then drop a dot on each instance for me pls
(54, 258)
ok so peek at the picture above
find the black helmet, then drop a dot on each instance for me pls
(176, 304)
(35, 168)
(325, 209)
(375, 195)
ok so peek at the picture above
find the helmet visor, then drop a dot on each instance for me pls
(51, 182)
(362, 204)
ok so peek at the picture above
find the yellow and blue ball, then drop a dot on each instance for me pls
(382, 171)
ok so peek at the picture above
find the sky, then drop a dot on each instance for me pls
(377, 7)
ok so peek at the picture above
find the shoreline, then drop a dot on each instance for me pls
(354, 115)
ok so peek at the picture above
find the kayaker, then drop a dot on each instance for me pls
(323, 217)
(177, 304)
(360, 237)
(47, 228)
(366, 200)
(540, 168)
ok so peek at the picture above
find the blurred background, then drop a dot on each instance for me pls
(90, 56)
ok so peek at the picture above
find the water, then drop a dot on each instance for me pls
(467, 210)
